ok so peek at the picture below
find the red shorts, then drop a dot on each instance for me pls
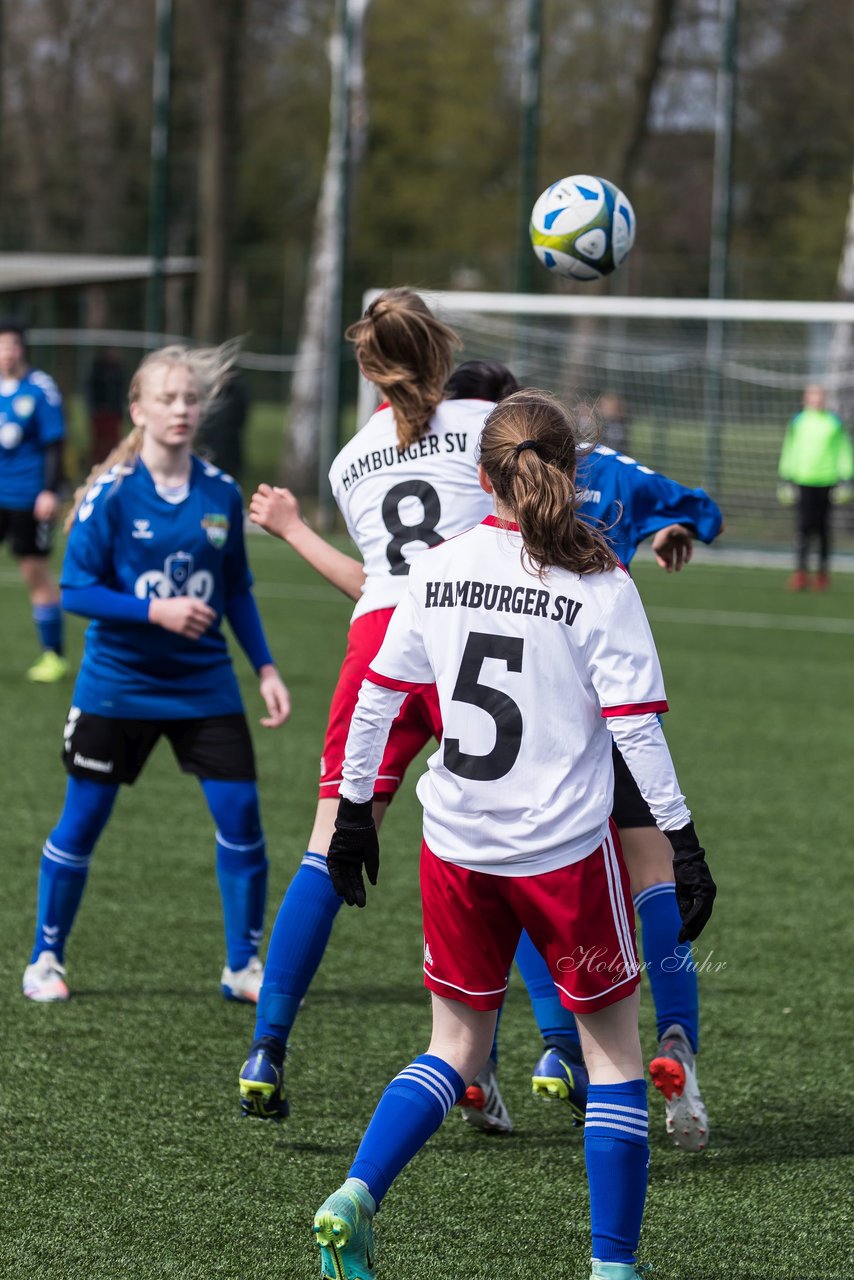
(415, 724)
(580, 918)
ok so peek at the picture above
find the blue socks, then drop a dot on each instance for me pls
(241, 866)
(671, 973)
(296, 948)
(409, 1112)
(65, 861)
(556, 1024)
(617, 1156)
(48, 620)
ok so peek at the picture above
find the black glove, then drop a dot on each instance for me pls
(353, 845)
(695, 888)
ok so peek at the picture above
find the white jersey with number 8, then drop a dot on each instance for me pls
(529, 673)
(396, 502)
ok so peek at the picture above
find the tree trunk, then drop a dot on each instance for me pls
(320, 335)
(586, 329)
(221, 24)
(840, 360)
(656, 34)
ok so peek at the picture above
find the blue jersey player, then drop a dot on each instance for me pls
(156, 558)
(32, 429)
(632, 503)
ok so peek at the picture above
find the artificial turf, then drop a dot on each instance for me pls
(121, 1151)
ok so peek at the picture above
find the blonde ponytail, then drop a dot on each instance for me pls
(125, 454)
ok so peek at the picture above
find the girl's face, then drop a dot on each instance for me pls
(169, 405)
(12, 360)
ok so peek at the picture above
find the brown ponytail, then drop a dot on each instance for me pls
(405, 351)
(528, 451)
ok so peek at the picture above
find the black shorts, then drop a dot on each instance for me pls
(27, 535)
(106, 750)
(630, 808)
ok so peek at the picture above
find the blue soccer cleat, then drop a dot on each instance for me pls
(344, 1234)
(618, 1270)
(262, 1087)
(562, 1076)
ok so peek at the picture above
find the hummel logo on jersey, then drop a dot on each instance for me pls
(428, 959)
(142, 529)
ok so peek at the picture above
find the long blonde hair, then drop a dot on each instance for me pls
(210, 366)
(405, 351)
(528, 449)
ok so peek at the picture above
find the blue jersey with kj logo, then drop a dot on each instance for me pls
(30, 418)
(649, 501)
(129, 539)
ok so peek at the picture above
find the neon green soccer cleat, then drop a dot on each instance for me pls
(262, 1086)
(619, 1270)
(343, 1231)
(561, 1075)
(48, 669)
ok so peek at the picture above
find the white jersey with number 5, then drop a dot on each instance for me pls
(529, 673)
(397, 502)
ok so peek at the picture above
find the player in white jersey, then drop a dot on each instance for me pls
(406, 482)
(538, 645)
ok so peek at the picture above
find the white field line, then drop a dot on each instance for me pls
(758, 621)
(688, 617)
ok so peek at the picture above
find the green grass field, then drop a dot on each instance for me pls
(122, 1156)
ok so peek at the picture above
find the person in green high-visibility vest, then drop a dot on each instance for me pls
(816, 467)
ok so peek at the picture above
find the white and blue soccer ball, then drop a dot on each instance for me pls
(583, 227)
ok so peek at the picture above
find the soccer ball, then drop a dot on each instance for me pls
(582, 227)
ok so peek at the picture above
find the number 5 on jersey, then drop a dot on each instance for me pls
(497, 704)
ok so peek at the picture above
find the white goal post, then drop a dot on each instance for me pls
(699, 389)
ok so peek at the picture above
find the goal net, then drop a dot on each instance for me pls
(700, 390)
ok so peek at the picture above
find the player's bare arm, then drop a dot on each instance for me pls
(46, 505)
(278, 511)
(673, 547)
(275, 695)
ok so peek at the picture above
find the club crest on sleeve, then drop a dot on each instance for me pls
(216, 527)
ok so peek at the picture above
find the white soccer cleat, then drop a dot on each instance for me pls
(482, 1104)
(674, 1076)
(243, 984)
(44, 979)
